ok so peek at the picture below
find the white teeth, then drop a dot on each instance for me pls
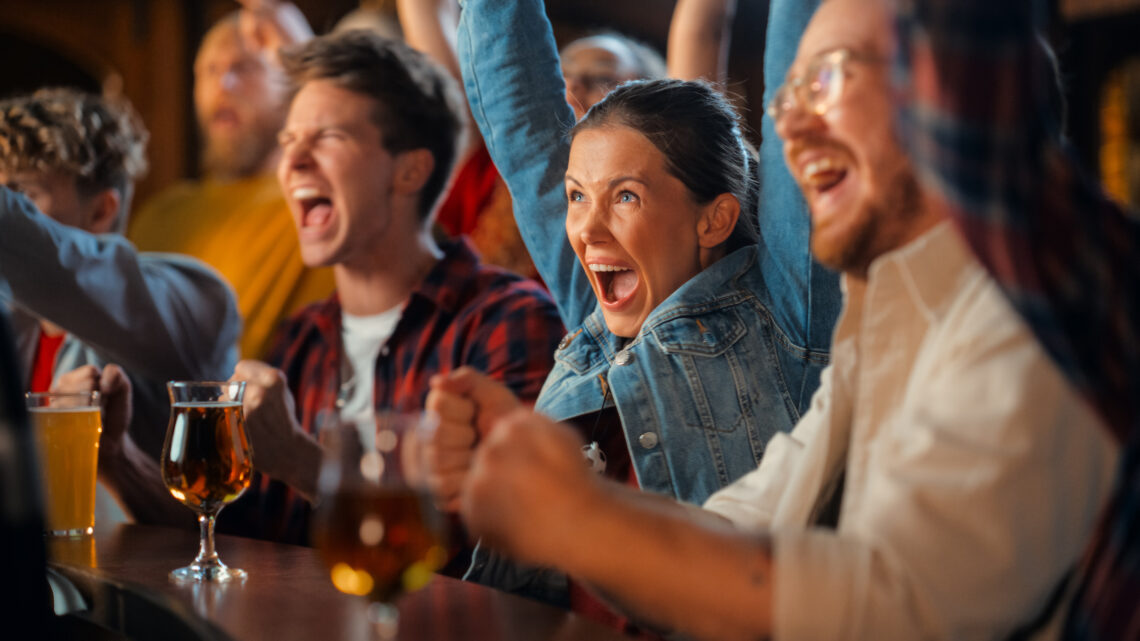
(302, 193)
(607, 268)
(817, 166)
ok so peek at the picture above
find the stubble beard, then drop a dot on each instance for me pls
(886, 222)
(241, 156)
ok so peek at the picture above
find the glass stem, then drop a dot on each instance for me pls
(207, 555)
(385, 618)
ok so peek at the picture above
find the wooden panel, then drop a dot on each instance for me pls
(132, 47)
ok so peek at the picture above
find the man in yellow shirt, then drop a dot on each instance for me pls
(235, 218)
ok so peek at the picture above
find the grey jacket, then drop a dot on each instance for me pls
(160, 316)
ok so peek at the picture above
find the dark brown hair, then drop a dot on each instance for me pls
(418, 105)
(698, 132)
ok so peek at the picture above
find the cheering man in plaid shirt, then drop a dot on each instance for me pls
(368, 145)
(985, 141)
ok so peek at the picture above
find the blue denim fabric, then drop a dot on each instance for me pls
(730, 358)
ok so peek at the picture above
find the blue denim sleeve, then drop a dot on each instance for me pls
(805, 296)
(514, 85)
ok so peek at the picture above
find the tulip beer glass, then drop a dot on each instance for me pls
(206, 463)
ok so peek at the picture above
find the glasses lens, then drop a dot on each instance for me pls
(824, 83)
(780, 103)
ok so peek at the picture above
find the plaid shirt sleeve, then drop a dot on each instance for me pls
(513, 339)
(975, 93)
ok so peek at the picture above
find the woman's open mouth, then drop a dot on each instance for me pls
(616, 284)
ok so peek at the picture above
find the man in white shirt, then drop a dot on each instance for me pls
(961, 473)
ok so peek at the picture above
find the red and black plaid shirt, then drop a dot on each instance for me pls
(464, 313)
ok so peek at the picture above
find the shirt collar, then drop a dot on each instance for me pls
(929, 268)
(446, 282)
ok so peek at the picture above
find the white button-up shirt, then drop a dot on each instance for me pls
(973, 473)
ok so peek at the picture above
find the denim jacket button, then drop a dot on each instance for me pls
(565, 342)
(648, 440)
(624, 357)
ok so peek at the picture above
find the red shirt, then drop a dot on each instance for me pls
(43, 367)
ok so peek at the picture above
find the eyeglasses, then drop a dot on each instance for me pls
(819, 87)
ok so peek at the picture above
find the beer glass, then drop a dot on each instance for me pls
(375, 525)
(67, 428)
(206, 463)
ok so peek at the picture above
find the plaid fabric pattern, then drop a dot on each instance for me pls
(976, 89)
(464, 313)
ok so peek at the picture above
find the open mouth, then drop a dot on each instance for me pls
(316, 208)
(823, 175)
(225, 117)
(616, 284)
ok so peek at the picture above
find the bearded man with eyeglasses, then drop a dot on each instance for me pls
(945, 478)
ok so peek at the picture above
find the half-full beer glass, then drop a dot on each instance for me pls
(206, 463)
(67, 428)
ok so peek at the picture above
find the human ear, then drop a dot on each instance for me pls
(104, 211)
(718, 219)
(413, 168)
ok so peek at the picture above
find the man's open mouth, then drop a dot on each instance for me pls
(823, 175)
(316, 208)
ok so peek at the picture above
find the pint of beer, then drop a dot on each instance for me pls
(67, 428)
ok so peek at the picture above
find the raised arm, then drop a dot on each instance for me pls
(805, 295)
(430, 26)
(985, 143)
(168, 318)
(699, 38)
(515, 90)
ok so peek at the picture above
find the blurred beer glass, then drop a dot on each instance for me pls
(375, 524)
(206, 463)
(67, 428)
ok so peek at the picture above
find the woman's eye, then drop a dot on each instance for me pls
(575, 196)
(627, 197)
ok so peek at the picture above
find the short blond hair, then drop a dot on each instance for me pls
(102, 142)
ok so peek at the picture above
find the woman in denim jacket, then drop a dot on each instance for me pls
(706, 342)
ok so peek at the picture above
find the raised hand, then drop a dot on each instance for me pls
(269, 25)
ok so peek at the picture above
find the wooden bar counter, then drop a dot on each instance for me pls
(121, 580)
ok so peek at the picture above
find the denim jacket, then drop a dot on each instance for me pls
(728, 360)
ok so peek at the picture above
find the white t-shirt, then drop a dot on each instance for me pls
(364, 338)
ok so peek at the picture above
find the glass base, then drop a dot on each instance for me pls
(385, 620)
(214, 573)
(74, 533)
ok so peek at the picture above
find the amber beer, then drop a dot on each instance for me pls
(379, 542)
(68, 442)
(206, 458)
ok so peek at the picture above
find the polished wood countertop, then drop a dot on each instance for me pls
(121, 577)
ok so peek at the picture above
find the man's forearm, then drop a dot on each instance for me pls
(645, 562)
(699, 36)
(135, 479)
